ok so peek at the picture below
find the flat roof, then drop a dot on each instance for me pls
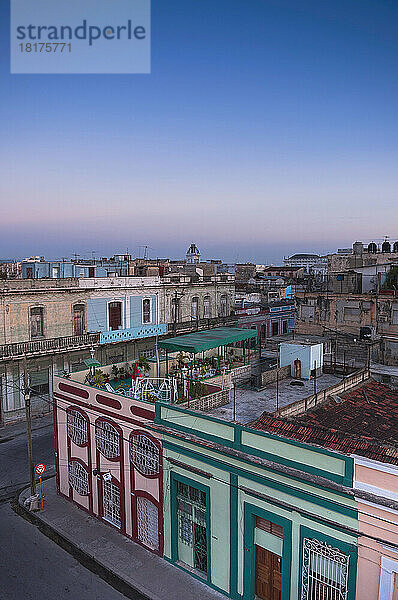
(205, 340)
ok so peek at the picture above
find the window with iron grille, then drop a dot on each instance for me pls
(36, 322)
(77, 427)
(224, 305)
(195, 308)
(206, 307)
(115, 358)
(78, 478)
(192, 526)
(111, 502)
(107, 439)
(147, 523)
(146, 310)
(144, 454)
(325, 572)
(148, 353)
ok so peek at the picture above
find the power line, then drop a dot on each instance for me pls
(132, 428)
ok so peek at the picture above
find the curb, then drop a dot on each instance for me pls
(86, 560)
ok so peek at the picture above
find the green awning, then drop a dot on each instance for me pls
(205, 340)
(91, 362)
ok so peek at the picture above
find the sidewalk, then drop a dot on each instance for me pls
(137, 568)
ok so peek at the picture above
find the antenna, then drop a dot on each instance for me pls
(146, 248)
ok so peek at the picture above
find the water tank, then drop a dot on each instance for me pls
(357, 247)
(372, 248)
(386, 247)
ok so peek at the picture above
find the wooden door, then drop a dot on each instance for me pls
(115, 315)
(78, 319)
(268, 575)
(297, 368)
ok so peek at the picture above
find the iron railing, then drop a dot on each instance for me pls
(48, 346)
(199, 324)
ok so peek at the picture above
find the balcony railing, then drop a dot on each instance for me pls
(134, 333)
(49, 346)
(199, 324)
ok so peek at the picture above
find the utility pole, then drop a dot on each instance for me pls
(277, 388)
(315, 392)
(29, 428)
(176, 302)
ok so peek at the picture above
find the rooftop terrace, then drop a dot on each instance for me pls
(249, 403)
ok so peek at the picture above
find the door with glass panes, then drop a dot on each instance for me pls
(111, 503)
(192, 529)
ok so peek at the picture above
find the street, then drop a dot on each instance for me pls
(31, 565)
(14, 471)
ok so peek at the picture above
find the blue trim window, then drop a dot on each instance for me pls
(146, 310)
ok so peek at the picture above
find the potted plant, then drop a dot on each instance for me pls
(98, 380)
(115, 372)
(143, 363)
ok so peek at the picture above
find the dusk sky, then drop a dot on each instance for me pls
(266, 127)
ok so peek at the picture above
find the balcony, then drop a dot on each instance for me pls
(50, 346)
(199, 324)
(133, 333)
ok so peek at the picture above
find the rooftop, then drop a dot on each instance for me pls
(249, 403)
(303, 256)
(363, 421)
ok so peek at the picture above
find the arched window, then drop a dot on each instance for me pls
(195, 308)
(78, 478)
(77, 427)
(147, 523)
(115, 315)
(107, 439)
(144, 454)
(175, 310)
(224, 305)
(36, 322)
(146, 311)
(206, 307)
(78, 319)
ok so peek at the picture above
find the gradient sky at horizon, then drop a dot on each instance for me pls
(266, 127)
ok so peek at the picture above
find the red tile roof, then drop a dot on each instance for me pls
(364, 421)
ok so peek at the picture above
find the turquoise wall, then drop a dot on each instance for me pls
(240, 490)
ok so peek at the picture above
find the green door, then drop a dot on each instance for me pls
(192, 531)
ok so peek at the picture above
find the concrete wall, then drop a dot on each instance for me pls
(271, 376)
(310, 356)
(302, 405)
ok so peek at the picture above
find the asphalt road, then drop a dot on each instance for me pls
(33, 567)
(14, 471)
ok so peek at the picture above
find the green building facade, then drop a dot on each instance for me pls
(256, 515)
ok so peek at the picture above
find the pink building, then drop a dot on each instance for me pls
(378, 523)
(108, 461)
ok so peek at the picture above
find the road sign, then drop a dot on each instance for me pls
(40, 468)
